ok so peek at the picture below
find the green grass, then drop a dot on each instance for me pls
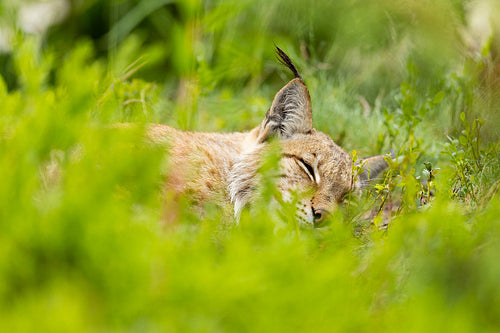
(82, 247)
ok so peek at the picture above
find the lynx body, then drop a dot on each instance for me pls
(224, 167)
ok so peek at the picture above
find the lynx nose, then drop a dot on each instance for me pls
(319, 216)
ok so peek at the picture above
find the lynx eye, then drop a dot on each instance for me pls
(309, 169)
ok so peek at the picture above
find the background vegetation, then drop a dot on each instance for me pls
(81, 243)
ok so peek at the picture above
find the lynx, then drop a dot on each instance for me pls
(216, 166)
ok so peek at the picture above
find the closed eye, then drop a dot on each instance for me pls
(308, 169)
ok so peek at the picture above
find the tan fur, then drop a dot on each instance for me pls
(223, 167)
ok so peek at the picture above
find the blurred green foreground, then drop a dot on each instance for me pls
(82, 247)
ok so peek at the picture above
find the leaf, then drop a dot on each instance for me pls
(463, 140)
(3, 87)
(378, 220)
(354, 155)
(438, 98)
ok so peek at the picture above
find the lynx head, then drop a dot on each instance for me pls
(311, 164)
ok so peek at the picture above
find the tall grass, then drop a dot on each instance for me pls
(82, 247)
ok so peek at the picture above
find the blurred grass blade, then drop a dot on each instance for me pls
(127, 23)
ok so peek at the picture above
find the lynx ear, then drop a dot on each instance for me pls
(372, 167)
(290, 112)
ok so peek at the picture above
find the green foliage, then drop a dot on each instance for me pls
(82, 244)
(476, 167)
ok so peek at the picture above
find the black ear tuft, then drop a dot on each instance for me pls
(284, 59)
(291, 110)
